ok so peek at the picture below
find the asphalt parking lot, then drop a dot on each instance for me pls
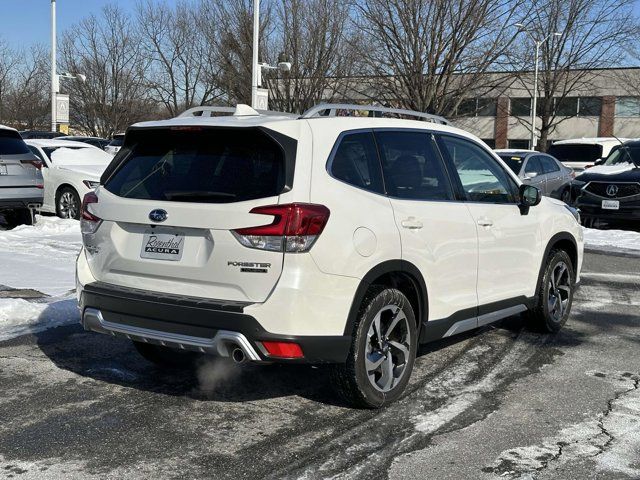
(501, 402)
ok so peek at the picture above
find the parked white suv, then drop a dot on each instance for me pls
(341, 240)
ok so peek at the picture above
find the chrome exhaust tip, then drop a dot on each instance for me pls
(238, 355)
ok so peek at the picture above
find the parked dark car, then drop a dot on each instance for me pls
(95, 141)
(41, 134)
(540, 170)
(611, 191)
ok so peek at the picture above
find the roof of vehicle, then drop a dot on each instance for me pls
(4, 127)
(76, 137)
(509, 151)
(54, 142)
(590, 141)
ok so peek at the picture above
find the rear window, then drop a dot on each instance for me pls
(208, 166)
(117, 141)
(12, 144)
(514, 162)
(576, 152)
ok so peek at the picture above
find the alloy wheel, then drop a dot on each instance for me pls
(387, 349)
(68, 205)
(559, 291)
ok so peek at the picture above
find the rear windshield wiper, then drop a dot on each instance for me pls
(199, 195)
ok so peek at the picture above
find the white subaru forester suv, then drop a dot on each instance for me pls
(323, 239)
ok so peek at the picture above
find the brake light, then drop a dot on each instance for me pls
(40, 186)
(295, 228)
(89, 222)
(283, 349)
(35, 163)
(587, 166)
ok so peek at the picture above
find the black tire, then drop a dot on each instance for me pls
(166, 357)
(566, 196)
(351, 380)
(548, 315)
(68, 203)
(20, 216)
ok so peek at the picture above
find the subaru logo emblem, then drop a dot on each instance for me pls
(612, 190)
(158, 215)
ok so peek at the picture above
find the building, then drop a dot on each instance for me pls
(604, 103)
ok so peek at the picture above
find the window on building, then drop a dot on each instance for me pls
(566, 107)
(491, 142)
(477, 107)
(521, 107)
(628, 107)
(590, 106)
(519, 144)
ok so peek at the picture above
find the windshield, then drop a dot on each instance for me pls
(207, 166)
(514, 162)
(576, 152)
(624, 154)
(77, 156)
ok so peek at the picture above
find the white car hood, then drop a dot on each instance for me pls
(610, 169)
(90, 171)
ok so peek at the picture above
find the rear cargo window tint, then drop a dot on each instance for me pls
(12, 144)
(202, 166)
(355, 162)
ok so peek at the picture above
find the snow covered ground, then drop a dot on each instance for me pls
(40, 257)
(612, 240)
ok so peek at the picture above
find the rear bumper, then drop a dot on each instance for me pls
(24, 202)
(207, 326)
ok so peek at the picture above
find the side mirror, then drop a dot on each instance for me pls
(530, 175)
(600, 162)
(530, 196)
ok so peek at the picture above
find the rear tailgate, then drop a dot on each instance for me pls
(169, 209)
(17, 163)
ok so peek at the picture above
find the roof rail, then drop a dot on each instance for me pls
(240, 110)
(330, 109)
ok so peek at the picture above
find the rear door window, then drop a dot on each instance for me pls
(212, 165)
(12, 144)
(534, 166)
(549, 165)
(356, 162)
(412, 168)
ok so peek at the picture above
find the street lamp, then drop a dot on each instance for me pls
(257, 67)
(538, 43)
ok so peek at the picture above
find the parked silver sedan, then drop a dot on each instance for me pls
(540, 170)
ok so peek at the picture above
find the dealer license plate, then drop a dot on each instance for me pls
(610, 204)
(162, 245)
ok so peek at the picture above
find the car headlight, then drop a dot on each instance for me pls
(91, 184)
(575, 212)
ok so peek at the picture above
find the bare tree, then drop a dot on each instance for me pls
(595, 34)
(27, 103)
(179, 54)
(228, 28)
(315, 36)
(107, 50)
(428, 55)
(9, 61)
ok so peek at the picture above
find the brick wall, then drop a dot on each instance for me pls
(502, 122)
(607, 117)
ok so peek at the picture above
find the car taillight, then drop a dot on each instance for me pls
(89, 222)
(35, 163)
(295, 228)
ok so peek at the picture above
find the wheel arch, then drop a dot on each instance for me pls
(563, 241)
(63, 186)
(399, 274)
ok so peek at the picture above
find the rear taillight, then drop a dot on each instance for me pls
(89, 222)
(35, 163)
(295, 228)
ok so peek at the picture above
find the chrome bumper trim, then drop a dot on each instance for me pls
(222, 344)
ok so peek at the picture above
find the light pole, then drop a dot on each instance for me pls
(54, 77)
(534, 106)
(255, 67)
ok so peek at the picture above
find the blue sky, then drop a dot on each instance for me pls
(25, 22)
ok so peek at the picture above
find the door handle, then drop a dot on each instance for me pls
(411, 223)
(485, 222)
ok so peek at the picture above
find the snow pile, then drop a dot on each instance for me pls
(19, 317)
(612, 240)
(41, 257)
